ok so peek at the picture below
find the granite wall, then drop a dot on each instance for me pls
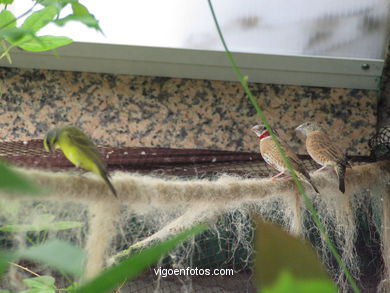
(123, 110)
(384, 97)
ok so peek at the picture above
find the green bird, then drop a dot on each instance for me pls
(79, 149)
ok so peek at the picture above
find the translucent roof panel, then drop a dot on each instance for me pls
(339, 28)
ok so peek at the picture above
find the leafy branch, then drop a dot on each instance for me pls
(25, 36)
(19, 17)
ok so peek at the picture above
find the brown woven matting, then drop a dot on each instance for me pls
(164, 161)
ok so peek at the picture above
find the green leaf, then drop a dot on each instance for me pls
(5, 258)
(79, 9)
(88, 20)
(44, 43)
(57, 3)
(80, 14)
(41, 284)
(15, 35)
(278, 251)
(6, 2)
(7, 20)
(286, 283)
(65, 225)
(136, 264)
(71, 288)
(11, 181)
(57, 254)
(40, 18)
(55, 226)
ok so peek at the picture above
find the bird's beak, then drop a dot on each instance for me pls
(255, 129)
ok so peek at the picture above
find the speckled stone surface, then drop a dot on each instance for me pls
(122, 110)
(384, 100)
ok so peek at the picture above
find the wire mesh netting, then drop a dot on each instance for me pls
(355, 221)
(380, 144)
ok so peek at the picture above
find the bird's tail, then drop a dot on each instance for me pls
(340, 170)
(105, 177)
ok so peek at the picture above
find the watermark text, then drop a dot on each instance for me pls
(164, 272)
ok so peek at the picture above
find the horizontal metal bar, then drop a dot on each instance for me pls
(201, 64)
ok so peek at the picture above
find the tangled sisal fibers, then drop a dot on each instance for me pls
(204, 200)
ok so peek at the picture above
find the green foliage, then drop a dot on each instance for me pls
(15, 35)
(72, 288)
(284, 262)
(45, 43)
(136, 264)
(286, 283)
(11, 181)
(44, 222)
(79, 9)
(26, 35)
(41, 284)
(59, 3)
(88, 20)
(40, 18)
(7, 20)
(57, 254)
(69, 259)
(6, 2)
(81, 14)
(5, 258)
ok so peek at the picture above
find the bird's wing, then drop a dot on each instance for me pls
(86, 146)
(270, 161)
(296, 162)
(325, 148)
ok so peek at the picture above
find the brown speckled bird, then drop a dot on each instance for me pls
(272, 157)
(323, 151)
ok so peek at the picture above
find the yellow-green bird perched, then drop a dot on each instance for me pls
(79, 149)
